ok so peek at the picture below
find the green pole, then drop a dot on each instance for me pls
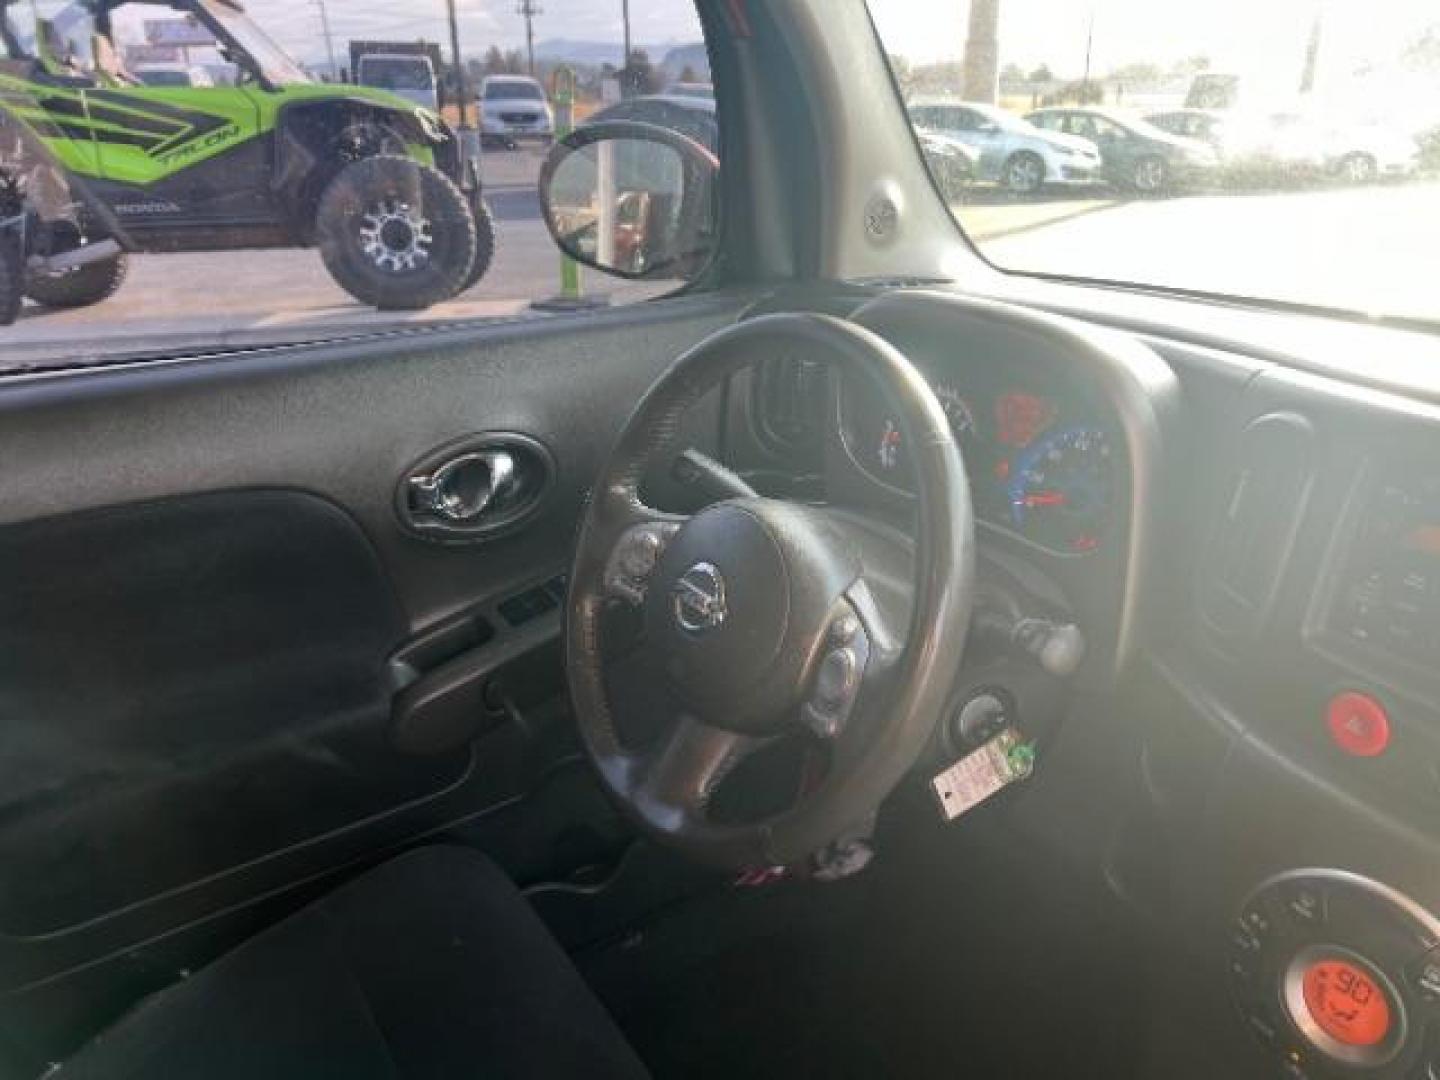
(563, 96)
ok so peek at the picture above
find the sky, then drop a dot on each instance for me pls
(1238, 35)
(296, 23)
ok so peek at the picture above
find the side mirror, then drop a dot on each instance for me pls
(634, 200)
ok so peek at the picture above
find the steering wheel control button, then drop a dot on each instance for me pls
(836, 685)
(836, 681)
(634, 561)
(844, 629)
(640, 554)
(1358, 724)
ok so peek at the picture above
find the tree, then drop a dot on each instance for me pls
(1042, 74)
(515, 63)
(1138, 73)
(1423, 53)
(494, 63)
(639, 75)
(1012, 73)
(688, 75)
(982, 51)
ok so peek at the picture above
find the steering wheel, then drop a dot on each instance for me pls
(762, 620)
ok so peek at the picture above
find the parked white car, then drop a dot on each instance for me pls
(1012, 152)
(513, 108)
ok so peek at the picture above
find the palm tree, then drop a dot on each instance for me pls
(982, 51)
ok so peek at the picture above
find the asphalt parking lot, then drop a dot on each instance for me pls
(1371, 248)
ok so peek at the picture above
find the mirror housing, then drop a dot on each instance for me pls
(635, 200)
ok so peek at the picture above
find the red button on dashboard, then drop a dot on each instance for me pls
(1358, 724)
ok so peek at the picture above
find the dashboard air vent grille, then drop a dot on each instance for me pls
(1264, 501)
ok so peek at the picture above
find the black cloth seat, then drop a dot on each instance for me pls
(432, 965)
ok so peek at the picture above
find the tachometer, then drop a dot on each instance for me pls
(1060, 489)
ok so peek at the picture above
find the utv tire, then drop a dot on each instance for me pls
(395, 234)
(12, 277)
(80, 287)
(484, 243)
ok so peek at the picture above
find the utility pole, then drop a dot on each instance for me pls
(529, 9)
(329, 41)
(1089, 45)
(1312, 51)
(982, 52)
(462, 91)
(625, 19)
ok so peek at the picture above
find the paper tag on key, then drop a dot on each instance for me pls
(974, 778)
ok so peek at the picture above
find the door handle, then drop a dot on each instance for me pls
(462, 490)
(475, 488)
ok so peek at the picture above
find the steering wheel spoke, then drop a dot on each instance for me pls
(676, 779)
(636, 554)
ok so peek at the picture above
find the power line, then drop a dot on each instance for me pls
(529, 9)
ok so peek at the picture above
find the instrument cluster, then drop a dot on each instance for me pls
(1040, 465)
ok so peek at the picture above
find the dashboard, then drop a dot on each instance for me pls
(1042, 464)
(1260, 780)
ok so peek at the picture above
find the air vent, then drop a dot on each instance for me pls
(789, 403)
(1265, 498)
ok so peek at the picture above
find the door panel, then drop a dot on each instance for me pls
(199, 681)
(181, 154)
(204, 583)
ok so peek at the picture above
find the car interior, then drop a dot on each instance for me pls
(859, 662)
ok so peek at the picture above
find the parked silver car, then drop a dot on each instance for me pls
(1012, 152)
(512, 108)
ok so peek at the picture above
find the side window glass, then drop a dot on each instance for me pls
(194, 162)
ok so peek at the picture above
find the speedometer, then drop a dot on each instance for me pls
(1060, 489)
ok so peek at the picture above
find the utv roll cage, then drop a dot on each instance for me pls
(219, 17)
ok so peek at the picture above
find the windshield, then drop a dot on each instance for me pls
(512, 91)
(397, 73)
(59, 32)
(163, 78)
(1312, 177)
(271, 60)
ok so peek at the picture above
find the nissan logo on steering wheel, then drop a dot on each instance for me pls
(699, 599)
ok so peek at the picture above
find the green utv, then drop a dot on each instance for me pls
(94, 165)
